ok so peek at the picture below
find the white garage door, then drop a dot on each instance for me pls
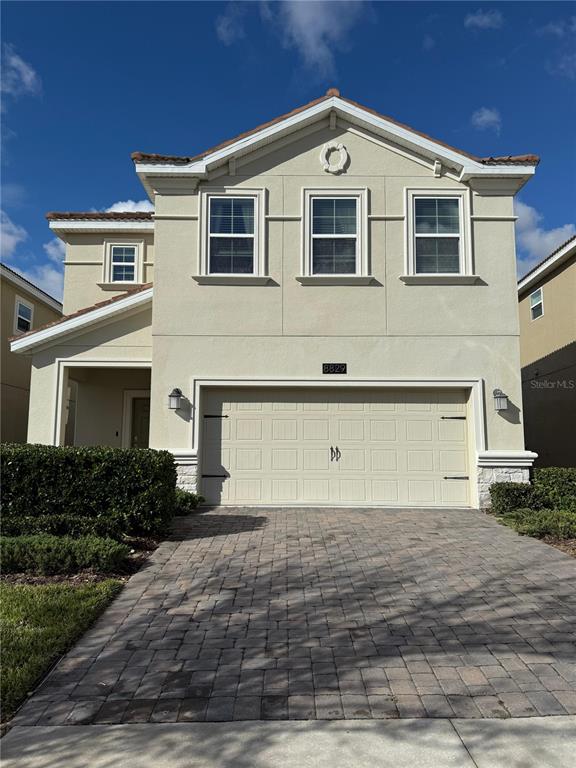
(335, 446)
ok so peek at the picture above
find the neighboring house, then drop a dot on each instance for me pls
(334, 295)
(24, 308)
(547, 305)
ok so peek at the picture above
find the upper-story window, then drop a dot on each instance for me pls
(334, 235)
(335, 232)
(232, 235)
(123, 263)
(438, 239)
(23, 314)
(536, 304)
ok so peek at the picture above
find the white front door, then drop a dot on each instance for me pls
(335, 446)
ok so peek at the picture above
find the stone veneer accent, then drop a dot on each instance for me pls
(186, 471)
(489, 475)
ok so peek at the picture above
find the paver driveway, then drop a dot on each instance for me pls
(255, 613)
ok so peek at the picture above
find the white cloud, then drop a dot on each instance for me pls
(559, 28)
(55, 250)
(130, 206)
(18, 77)
(11, 235)
(46, 277)
(565, 65)
(535, 243)
(487, 119)
(484, 20)
(315, 29)
(230, 25)
(428, 43)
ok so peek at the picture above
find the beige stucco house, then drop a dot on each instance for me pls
(547, 308)
(24, 307)
(334, 295)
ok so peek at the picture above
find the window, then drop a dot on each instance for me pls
(536, 304)
(437, 235)
(334, 235)
(23, 316)
(123, 263)
(231, 235)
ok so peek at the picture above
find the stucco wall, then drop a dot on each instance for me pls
(15, 369)
(557, 326)
(84, 266)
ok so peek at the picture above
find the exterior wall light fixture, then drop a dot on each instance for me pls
(175, 399)
(500, 400)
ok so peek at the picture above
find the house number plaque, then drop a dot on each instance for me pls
(334, 368)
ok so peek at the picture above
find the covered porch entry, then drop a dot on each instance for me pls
(105, 405)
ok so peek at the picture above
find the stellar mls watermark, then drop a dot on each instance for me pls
(567, 384)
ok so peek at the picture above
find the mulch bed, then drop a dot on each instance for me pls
(568, 546)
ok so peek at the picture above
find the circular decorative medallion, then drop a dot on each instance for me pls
(334, 157)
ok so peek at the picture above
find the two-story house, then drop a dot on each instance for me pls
(24, 308)
(333, 306)
(547, 308)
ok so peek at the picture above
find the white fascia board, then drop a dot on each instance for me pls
(85, 225)
(80, 322)
(356, 114)
(23, 285)
(499, 171)
(547, 266)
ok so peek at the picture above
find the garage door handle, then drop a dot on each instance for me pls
(453, 418)
(338, 454)
(332, 454)
(456, 477)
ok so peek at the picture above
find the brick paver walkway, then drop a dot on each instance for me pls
(327, 613)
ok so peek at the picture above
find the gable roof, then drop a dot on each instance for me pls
(82, 318)
(155, 164)
(24, 284)
(548, 265)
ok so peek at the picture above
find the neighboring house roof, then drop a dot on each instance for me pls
(332, 93)
(548, 265)
(24, 284)
(93, 221)
(82, 318)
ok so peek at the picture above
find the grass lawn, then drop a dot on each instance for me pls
(37, 624)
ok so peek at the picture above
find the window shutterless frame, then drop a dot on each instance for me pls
(334, 216)
(536, 304)
(23, 315)
(435, 198)
(123, 262)
(207, 229)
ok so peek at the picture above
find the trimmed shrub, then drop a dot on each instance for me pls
(558, 484)
(560, 523)
(131, 491)
(62, 525)
(506, 497)
(48, 555)
(186, 502)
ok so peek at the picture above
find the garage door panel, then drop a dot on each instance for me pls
(394, 447)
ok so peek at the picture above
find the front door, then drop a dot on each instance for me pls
(140, 422)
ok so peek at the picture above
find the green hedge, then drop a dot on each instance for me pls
(121, 491)
(505, 497)
(560, 523)
(62, 525)
(557, 484)
(186, 502)
(48, 555)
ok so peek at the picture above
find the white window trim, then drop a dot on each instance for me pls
(362, 264)
(541, 302)
(259, 265)
(19, 300)
(129, 395)
(466, 262)
(107, 280)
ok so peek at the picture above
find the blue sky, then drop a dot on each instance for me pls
(84, 84)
